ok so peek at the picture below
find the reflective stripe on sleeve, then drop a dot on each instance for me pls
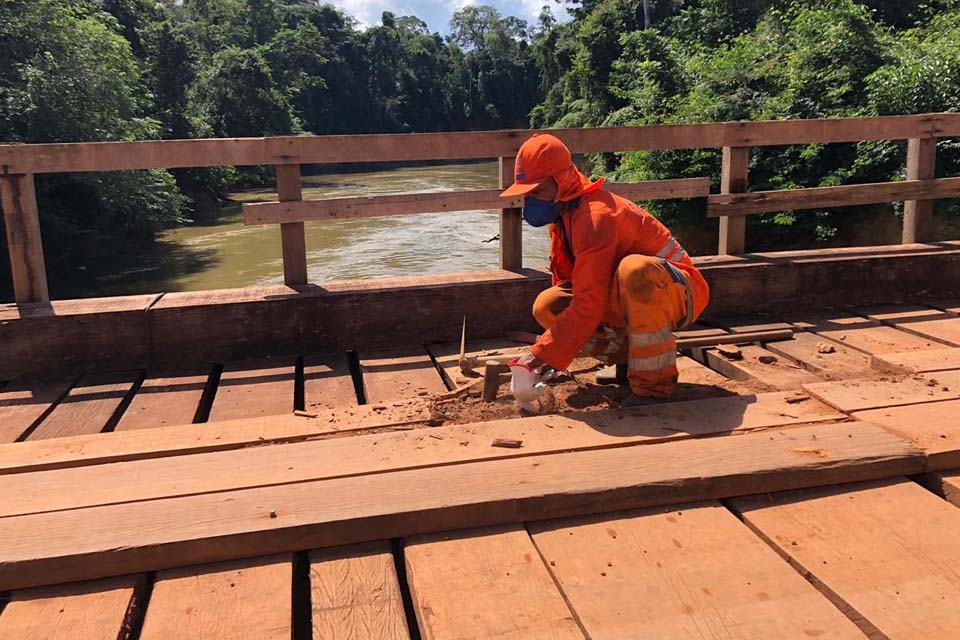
(667, 248)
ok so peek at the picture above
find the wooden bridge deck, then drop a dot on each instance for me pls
(797, 489)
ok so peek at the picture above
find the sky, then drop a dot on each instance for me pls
(436, 13)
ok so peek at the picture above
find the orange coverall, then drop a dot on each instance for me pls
(622, 285)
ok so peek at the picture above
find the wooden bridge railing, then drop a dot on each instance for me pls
(19, 163)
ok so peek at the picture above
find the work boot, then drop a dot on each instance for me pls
(614, 374)
(638, 401)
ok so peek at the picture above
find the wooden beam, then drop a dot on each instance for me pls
(154, 154)
(921, 165)
(164, 442)
(284, 464)
(818, 197)
(448, 201)
(24, 243)
(81, 544)
(733, 179)
(292, 234)
(70, 337)
(511, 222)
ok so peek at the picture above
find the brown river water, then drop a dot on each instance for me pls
(226, 254)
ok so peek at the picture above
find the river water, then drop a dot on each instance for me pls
(227, 254)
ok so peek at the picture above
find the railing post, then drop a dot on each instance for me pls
(921, 165)
(292, 236)
(22, 221)
(511, 224)
(733, 179)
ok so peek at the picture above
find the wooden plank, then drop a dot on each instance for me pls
(932, 324)
(65, 338)
(760, 368)
(165, 400)
(733, 179)
(697, 381)
(126, 538)
(23, 404)
(859, 395)
(254, 388)
(931, 427)
(670, 573)
(154, 154)
(201, 473)
(926, 361)
(97, 610)
(511, 222)
(921, 165)
(944, 484)
(327, 383)
(744, 204)
(239, 599)
(519, 599)
(862, 334)
(78, 451)
(292, 235)
(256, 213)
(88, 407)
(355, 594)
(831, 360)
(750, 324)
(950, 305)
(399, 374)
(886, 553)
(24, 243)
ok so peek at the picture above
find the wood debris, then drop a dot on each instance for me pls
(824, 348)
(730, 352)
(507, 443)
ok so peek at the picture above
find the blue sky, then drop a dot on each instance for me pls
(436, 13)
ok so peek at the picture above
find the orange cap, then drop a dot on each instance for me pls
(542, 156)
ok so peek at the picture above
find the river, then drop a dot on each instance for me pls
(226, 254)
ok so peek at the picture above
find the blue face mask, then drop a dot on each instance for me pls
(539, 212)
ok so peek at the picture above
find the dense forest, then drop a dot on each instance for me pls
(81, 70)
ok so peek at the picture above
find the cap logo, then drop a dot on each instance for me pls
(519, 175)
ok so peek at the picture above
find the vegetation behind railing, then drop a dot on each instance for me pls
(19, 164)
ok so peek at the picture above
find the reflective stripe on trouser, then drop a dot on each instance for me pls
(653, 299)
(649, 298)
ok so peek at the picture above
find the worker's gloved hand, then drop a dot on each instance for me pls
(527, 381)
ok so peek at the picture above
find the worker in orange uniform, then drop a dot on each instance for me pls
(621, 282)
